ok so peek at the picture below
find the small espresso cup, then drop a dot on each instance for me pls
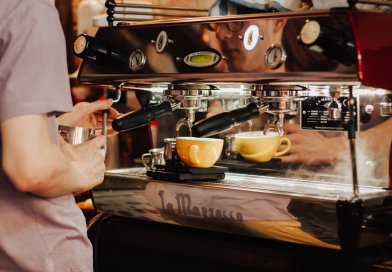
(76, 135)
(199, 152)
(259, 147)
(153, 158)
(170, 151)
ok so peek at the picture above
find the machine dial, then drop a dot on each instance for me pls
(137, 60)
(251, 37)
(274, 57)
(162, 42)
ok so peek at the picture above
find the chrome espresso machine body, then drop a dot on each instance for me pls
(311, 65)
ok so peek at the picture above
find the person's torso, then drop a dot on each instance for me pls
(36, 233)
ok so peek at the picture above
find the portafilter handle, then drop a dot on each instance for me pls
(141, 117)
(225, 120)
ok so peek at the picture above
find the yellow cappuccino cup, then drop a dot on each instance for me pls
(257, 147)
(199, 152)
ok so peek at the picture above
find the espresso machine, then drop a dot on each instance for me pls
(327, 69)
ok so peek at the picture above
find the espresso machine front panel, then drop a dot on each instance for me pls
(238, 48)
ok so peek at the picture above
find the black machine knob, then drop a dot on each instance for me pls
(89, 48)
(141, 117)
(333, 43)
(224, 120)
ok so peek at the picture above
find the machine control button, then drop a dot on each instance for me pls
(162, 42)
(251, 37)
(274, 57)
(310, 32)
(137, 60)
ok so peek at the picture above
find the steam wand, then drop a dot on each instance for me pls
(351, 137)
(105, 114)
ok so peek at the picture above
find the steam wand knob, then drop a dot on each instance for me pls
(90, 48)
(332, 43)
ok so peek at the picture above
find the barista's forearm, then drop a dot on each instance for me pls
(33, 163)
(63, 176)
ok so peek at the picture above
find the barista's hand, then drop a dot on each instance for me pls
(89, 158)
(311, 147)
(89, 115)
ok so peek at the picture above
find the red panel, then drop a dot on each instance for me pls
(373, 37)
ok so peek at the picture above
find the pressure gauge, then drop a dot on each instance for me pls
(137, 60)
(274, 57)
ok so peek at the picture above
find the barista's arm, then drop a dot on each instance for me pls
(36, 165)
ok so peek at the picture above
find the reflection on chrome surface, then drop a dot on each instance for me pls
(285, 209)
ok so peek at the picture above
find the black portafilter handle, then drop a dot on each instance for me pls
(224, 120)
(141, 117)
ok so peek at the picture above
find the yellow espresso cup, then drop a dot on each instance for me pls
(257, 147)
(199, 152)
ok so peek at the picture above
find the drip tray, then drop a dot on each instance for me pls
(274, 167)
(241, 166)
(183, 173)
(241, 163)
